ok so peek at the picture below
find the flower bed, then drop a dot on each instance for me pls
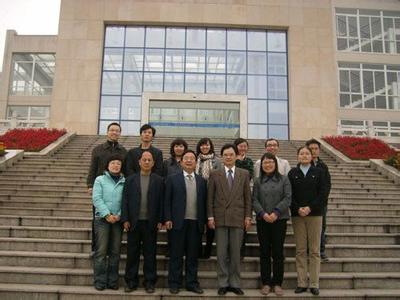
(360, 148)
(30, 139)
(394, 161)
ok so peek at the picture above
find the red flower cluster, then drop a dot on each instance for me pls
(360, 148)
(30, 139)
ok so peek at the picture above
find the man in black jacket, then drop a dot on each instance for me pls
(100, 156)
(315, 148)
(147, 133)
(141, 216)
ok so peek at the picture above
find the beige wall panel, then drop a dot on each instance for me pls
(310, 35)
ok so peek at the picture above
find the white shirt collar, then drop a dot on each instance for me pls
(186, 173)
(227, 169)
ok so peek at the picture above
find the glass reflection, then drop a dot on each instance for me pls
(216, 62)
(134, 37)
(133, 60)
(236, 62)
(111, 83)
(132, 83)
(174, 60)
(195, 61)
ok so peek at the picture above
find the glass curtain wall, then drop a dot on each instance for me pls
(247, 62)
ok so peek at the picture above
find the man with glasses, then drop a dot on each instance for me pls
(100, 156)
(272, 146)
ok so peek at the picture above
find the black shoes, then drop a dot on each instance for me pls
(196, 290)
(237, 291)
(299, 290)
(130, 288)
(113, 287)
(324, 257)
(99, 287)
(222, 291)
(174, 291)
(150, 289)
(314, 291)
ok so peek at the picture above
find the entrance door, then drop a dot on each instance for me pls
(195, 119)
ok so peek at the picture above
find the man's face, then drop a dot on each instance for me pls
(229, 157)
(146, 162)
(146, 135)
(113, 133)
(272, 147)
(188, 162)
(314, 150)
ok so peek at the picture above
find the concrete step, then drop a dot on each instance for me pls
(252, 249)
(249, 264)
(56, 292)
(79, 277)
(39, 203)
(85, 234)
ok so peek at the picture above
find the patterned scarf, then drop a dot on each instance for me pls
(204, 165)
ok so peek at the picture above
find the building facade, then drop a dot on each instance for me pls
(223, 68)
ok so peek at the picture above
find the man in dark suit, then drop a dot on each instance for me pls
(141, 216)
(147, 134)
(185, 218)
(229, 212)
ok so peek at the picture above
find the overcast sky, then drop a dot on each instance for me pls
(28, 17)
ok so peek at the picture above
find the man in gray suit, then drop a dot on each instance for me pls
(229, 212)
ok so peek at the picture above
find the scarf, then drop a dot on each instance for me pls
(204, 165)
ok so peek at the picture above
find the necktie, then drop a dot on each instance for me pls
(230, 178)
(190, 177)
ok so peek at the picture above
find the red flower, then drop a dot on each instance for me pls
(30, 139)
(362, 148)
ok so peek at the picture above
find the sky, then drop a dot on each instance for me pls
(34, 17)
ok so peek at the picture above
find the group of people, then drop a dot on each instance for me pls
(196, 192)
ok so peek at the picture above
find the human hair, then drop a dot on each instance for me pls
(303, 147)
(112, 157)
(227, 146)
(175, 142)
(148, 126)
(189, 151)
(144, 151)
(203, 141)
(114, 124)
(268, 140)
(265, 156)
(313, 141)
(239, 141)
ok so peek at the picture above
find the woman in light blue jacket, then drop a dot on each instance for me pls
(107, 197)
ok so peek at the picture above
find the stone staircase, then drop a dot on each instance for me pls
(45, 221)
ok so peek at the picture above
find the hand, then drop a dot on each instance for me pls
(159, 226)
(90, 191)
(273, 217)
(307, 210)
(247, 223)
(127, 226)
(211, 224)
(267, 218)
(110, 219)
(168, 225)
(117, 218)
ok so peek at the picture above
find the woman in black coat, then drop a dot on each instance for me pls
(307, 205)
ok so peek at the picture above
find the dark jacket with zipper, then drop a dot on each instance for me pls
(307, 190)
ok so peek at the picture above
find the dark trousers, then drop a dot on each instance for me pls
(184, 242)
(323, 236)
(243, 247)
(271, 237)
(107, 253)
(210, 235)
(141, 237)
(93, 230)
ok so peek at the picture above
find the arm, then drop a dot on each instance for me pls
(168, 200)
(158, 164)
(161, 199)
(286, 200)
(247, 196)
(210, 196)
(318, 202)
(92, 169)
(257, 207)
(98, 200)
(293, 206)
(125, 204)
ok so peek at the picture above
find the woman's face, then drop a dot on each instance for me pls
(178, 150)
(242, 148)
(268, 166)
(304, 157)
(114, 166)
(205, 148)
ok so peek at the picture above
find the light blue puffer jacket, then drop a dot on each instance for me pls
(107, 195)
